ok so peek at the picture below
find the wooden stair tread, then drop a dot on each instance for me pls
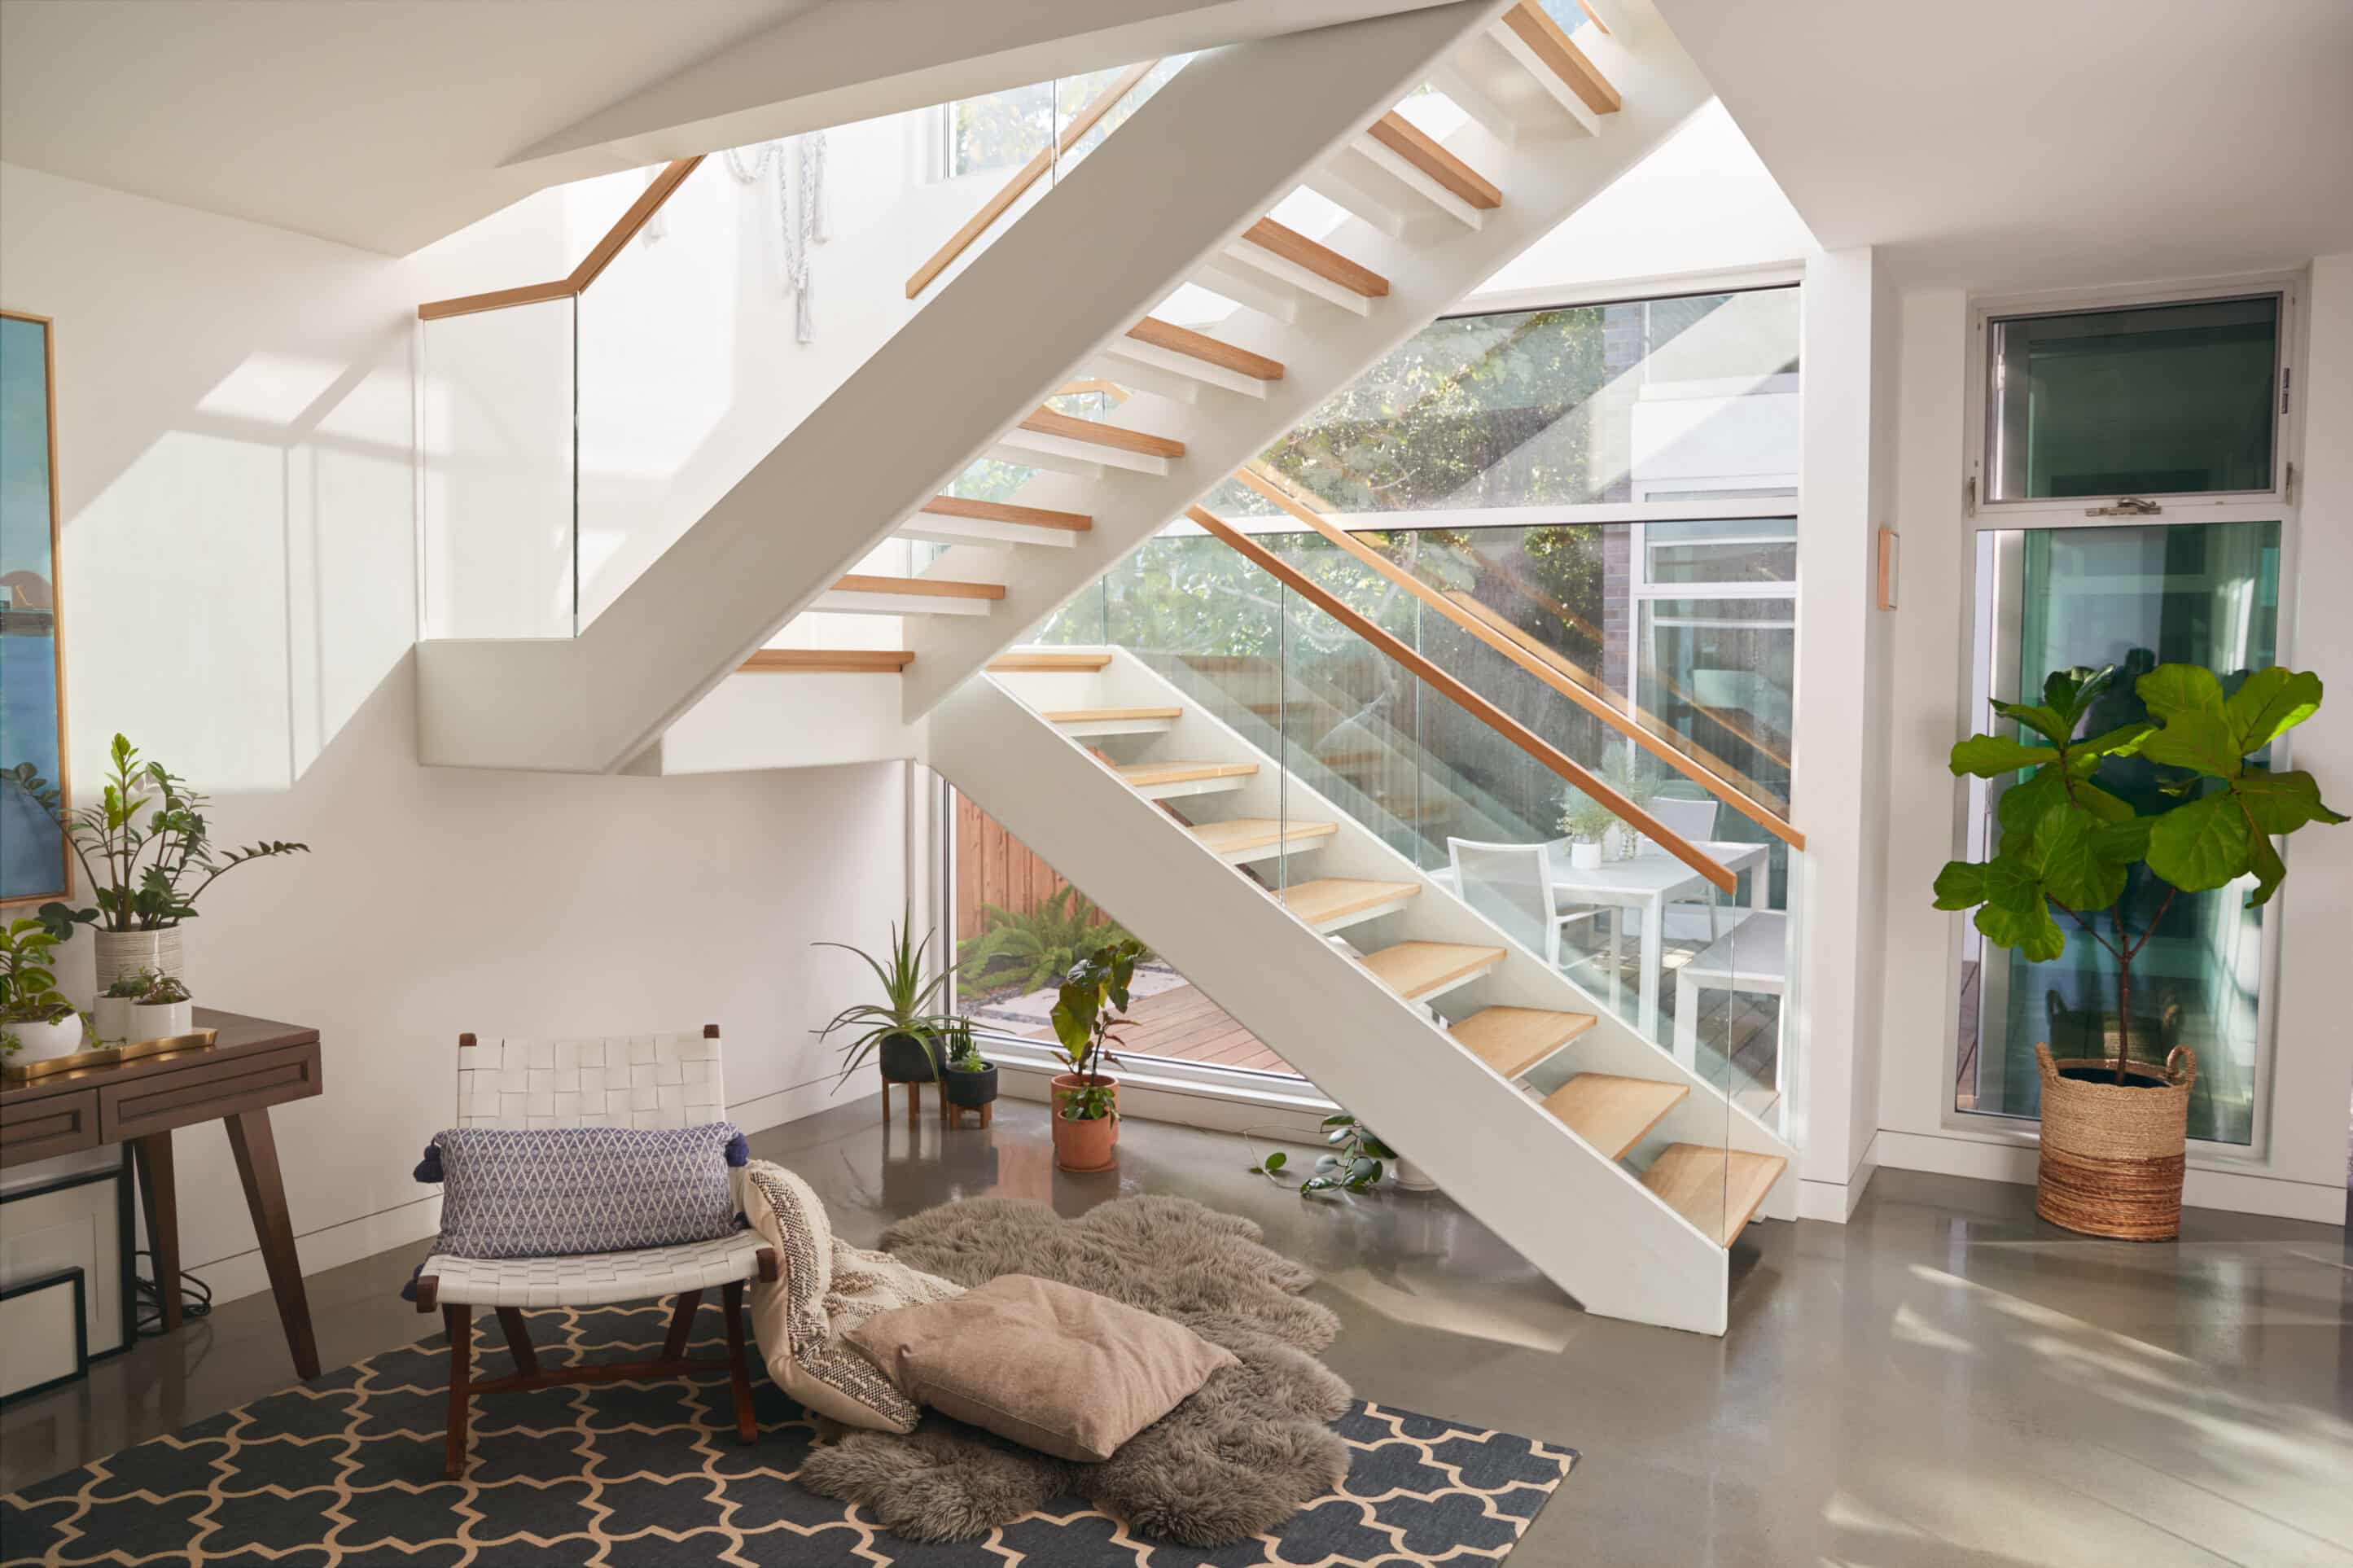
(1549, 42)
(1036, 659)
(1099, 715)
(1296, 248)
(1258, 833)
(827, 660)
(1715, 1189)
(1179, 340)
(1145, 774)
(1409, 142)
(1612, 1113)
(1004, 511)
(1337, 897)
(1414, 969)
(1513, 1039)
(920, 587)
(1046, 422)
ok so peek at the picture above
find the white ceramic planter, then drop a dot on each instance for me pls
(161, 1020)
(42, 1042)
(122, 953)
(1585, 856)
(110, 1019)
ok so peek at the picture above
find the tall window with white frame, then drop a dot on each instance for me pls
(2135, 485)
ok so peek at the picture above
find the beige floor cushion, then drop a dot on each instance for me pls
(1052, 1367)
(827, 1288)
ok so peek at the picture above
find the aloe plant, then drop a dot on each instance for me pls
(2071, 846)
(905, 1007)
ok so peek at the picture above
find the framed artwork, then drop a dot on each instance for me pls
(34, 862)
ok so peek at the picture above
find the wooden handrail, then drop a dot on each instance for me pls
(1029, 174)
(1273, 488)
(1470, 702)
(592, 266)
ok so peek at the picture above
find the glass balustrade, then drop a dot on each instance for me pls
(1697, 970)
(572, 440)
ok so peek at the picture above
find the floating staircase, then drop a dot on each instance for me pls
(1619, 1171)
(1551, 121)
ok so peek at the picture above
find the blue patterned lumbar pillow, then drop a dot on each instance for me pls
(556, 1191)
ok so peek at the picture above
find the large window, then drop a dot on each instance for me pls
(2166, 415)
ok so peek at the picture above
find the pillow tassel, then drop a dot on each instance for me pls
(428, 1169)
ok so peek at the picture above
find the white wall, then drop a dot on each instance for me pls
(2302, 1173)
(236, 445)
(1839, 794)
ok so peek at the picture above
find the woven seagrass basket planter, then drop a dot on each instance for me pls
(2113, 1154)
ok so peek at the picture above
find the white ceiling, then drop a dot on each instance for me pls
(2013, 145)
(389, 123)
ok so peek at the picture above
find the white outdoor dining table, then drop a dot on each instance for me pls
(1648, 883)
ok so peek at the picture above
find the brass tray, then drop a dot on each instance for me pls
(108, 1056)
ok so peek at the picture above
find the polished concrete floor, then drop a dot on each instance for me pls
(1946, 1381)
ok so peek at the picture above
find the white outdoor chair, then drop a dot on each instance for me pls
(1752, 959)
(1511, 886)
(626, 1080)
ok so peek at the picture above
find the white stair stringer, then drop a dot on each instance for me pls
(1147, 209)
(1584, 1220)
(1552, 167)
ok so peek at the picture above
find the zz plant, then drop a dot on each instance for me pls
(145, 847)
(2069, 845)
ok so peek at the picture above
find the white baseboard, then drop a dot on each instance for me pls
(2233, 1191)
(776, 1109)
(1834, 1203)
(331, 1246)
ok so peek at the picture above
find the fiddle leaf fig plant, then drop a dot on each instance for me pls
(1089, 1009)
(2071, 846)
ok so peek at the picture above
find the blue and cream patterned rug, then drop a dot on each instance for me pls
(345, 1472)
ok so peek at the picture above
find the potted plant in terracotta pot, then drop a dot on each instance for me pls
(37, 1022)
(2114, 1125)
(163, 1011)
(970, 1083)
(147, 856)
(899, 1030)
(1089, 1011)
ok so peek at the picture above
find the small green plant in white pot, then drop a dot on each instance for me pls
(37, 1022)
(163, 1011)
(110, 1014)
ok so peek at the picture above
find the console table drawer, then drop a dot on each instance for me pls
(203, 1091)
(53, 1124)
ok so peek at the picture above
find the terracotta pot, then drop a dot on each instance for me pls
(1084, 1145)
(2113, 1154)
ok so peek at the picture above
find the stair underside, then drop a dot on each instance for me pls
(1256, 834)
(1715, 1189)
(827, 661)
(1613, 1114)
(1144, 775)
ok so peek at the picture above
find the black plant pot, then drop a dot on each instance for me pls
(971, 1089)
(905, 1059)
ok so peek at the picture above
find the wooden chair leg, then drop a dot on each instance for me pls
(681, 1324)
(739, 1368)
(526, 1360)
(459, 1323)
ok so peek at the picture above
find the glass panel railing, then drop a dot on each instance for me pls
(1647, 935)
(499, 472)
(571, 440)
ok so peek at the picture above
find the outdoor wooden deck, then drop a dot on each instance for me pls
(1183, 1025)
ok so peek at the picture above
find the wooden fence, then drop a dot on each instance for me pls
(992, 867)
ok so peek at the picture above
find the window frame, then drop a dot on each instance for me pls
(2212, 506)
(2281, 504)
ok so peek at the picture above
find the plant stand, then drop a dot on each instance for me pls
(2113, 1154)
(954, 1114)
(914, 1088)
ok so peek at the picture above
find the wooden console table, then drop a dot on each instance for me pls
(254, 1065)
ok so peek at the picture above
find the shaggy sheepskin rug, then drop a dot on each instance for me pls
(1239, 1457)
